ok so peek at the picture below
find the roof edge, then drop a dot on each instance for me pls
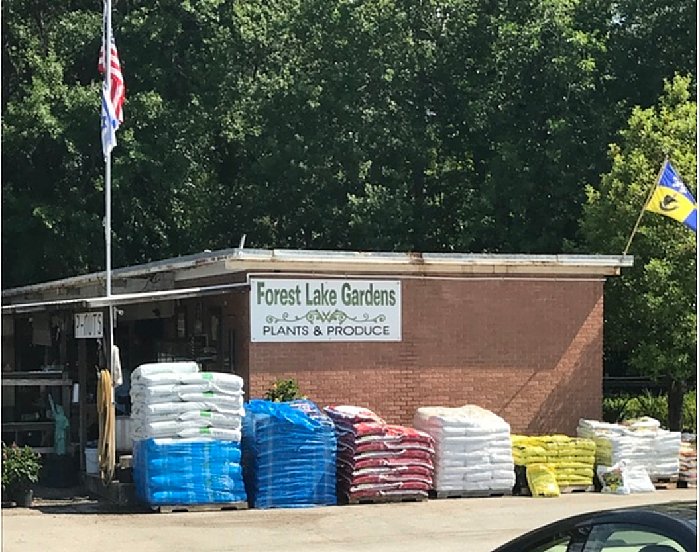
(293, 257)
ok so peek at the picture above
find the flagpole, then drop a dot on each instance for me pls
(646, 202)
(108, 231)
(108, 182)
(108, 157)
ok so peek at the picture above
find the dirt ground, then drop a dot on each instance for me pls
(76, 522)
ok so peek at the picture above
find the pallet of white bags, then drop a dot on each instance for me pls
(474, 493)
(213, 507)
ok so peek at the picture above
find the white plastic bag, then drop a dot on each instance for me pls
(637, 479)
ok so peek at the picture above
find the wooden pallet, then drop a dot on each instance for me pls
(663, 483)
(214, 507)
(387, 499)
(576, 489)
(567, 489)
(485, 493)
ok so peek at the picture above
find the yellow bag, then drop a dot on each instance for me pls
(541, 480)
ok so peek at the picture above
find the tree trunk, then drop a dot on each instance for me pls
(676, 391)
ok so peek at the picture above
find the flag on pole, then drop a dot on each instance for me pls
(117, 92)
(671, 198)
(110, 124)
(113, 92)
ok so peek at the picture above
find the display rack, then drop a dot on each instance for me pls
(37, 379)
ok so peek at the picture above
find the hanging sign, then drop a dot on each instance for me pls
(88, 325)
(325, 310)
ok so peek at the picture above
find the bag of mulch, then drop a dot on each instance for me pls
(542, 480)
(612, 479)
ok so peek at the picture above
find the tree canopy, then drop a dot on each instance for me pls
(439, 125)
(651, 318)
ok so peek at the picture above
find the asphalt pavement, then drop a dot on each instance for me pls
(446, 525)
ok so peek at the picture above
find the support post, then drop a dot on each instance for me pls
(82, 395)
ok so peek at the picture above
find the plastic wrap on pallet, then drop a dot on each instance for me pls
(289, 453)
(188, 471)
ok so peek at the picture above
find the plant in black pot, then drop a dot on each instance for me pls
(20, 471)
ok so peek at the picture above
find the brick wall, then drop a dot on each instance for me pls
(531, 351)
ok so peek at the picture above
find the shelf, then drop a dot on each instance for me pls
(70, 449)
(26, 382)
(23, 379)
(26, 426)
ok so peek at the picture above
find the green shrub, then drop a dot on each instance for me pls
(283, 390)
(20, 467)
(613, 408)
(627, 407)
(690, 411)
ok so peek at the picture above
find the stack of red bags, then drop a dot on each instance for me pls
(376, 459)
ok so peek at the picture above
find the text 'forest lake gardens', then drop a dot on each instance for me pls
(325, 310)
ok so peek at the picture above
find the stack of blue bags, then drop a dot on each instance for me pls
(289, 454)
(187, 471)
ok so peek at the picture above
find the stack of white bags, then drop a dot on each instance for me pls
(640, 442)
(473, 450)
(176, 400)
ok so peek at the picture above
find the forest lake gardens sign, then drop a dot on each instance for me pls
(325, 310)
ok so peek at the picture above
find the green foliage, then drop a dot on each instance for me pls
(690, 412)
(20, 467)
(449, 125)
(283, 390)
(625, 407)
(651, 309)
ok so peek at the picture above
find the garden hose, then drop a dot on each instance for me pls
(106, 449)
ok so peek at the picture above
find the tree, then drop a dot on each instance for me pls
(651, 310)
(430, 125)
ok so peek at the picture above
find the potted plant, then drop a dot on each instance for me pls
(283, 390)
(20, 470)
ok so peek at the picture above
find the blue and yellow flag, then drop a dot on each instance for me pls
(672, 198)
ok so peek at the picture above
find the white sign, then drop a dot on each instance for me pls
(88, 324)
(325, 310)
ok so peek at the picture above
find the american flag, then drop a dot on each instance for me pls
(117, 90)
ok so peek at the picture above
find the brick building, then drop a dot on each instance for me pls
(521, 335)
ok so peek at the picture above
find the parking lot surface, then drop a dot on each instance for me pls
(469, 524)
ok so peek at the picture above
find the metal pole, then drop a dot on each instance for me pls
(108, 233)
(108, 188)
(646, 202)
(108, 158)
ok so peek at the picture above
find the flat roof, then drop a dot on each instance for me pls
(352, 263)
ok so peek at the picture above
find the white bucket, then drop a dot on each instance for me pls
(92, 467)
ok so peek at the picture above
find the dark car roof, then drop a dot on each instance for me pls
(684, 511)
(671, 516)
(669, 512)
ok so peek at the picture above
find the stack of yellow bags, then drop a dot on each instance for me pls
(571, 458)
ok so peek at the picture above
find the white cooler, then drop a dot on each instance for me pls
(122, 430)
(92, 466)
